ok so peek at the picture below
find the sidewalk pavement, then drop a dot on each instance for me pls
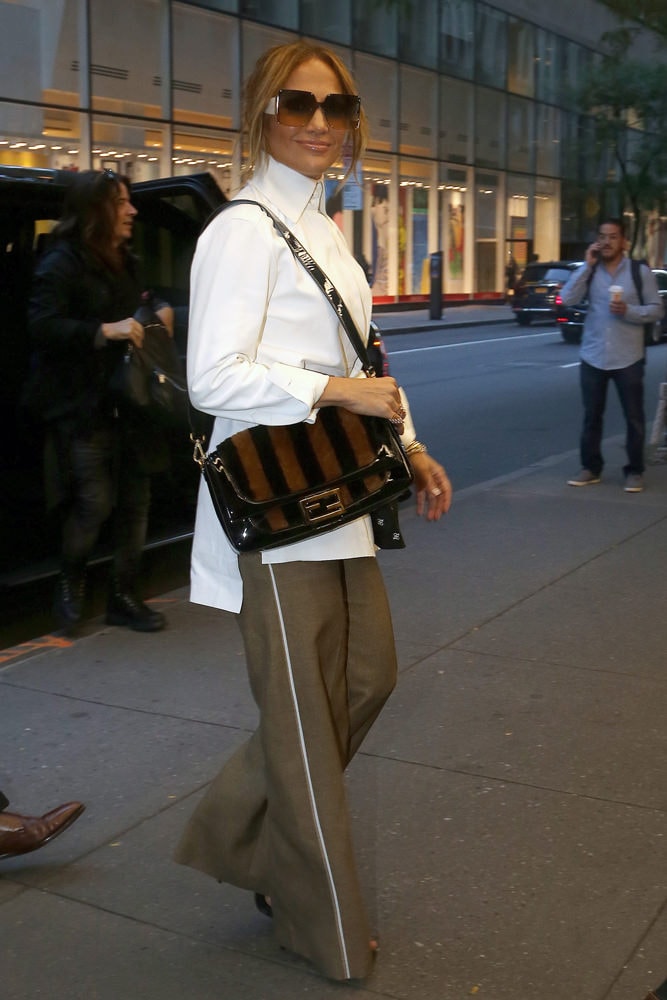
(453, 317)
(509, 806)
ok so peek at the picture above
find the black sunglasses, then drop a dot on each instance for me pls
(297, 107)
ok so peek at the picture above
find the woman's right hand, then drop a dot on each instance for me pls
(124, 329)
(372, 397)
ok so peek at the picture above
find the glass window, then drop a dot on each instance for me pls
(519, 225)
(375, 27)
(548, 60)
(419, 108)
(327, 20)
(578, 158)
(520, 134)
(419, 35)
(39, 52)
(491, 47)
(576, 61)
(380, 236)
(489, 128)
(454, 212)
(520, 57)
(136, 151)
(456, 121)
(547, 219)
(36, 137)
(488, 224)
(205, 67)
(229, 5)
(413, 226)
(257, 40)
(377, 80)
(457, 38)
(199, 150)
(282, 12)
(130, 77)
(548, 139)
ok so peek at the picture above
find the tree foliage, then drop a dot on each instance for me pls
(627, 101)
(651, 14)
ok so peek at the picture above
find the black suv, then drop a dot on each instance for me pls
(171, 214)
(535, 293)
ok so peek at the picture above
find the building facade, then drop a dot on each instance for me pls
(477, 150)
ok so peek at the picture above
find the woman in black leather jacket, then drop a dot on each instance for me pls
(85, 293)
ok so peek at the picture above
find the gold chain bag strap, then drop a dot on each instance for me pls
(274, 485)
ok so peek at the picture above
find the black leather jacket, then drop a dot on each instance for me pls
(73, 294)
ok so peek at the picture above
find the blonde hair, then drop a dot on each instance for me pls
(270, 75)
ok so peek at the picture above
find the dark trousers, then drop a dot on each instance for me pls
(101, 479)
(629, 384)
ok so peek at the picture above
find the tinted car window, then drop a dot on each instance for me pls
(546, 274)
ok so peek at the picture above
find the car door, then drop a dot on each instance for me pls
(171, 214)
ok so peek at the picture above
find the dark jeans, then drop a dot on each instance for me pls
(101, 479)
(629, 384)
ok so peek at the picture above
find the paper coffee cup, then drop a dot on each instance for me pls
(615, 293)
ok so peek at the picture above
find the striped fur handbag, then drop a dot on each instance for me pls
(275, 485)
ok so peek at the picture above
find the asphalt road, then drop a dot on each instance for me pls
(494, 399)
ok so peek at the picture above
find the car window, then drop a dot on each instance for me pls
(557, 274)
(661, 278)
(164, 239)
(536, 273)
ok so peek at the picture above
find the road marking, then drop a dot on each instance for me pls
(575, 364)
(469, 343)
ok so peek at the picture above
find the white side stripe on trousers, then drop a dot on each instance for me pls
(309, 783)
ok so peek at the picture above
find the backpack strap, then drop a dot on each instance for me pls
(636, 268)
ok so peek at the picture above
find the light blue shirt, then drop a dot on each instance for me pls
(610, 342)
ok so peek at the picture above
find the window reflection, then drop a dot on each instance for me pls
(457, 38)
(490, 46)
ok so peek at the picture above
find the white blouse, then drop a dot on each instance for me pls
(262, 342)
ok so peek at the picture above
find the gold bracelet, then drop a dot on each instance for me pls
(416, 448)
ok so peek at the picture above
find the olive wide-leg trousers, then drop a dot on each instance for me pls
(321, 662)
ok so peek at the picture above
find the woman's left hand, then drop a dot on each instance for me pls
(434, 490)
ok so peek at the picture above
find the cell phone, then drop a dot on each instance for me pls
(596, 254)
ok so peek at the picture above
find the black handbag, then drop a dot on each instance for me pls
(150, 381)
(273, 486)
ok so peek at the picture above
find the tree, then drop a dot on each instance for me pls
(627, 102)
(649, 14)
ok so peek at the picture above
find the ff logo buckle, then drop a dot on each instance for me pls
(322, 506)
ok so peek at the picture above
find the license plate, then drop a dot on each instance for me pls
(541, 289)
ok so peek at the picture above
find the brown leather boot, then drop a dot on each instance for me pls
(22, 834)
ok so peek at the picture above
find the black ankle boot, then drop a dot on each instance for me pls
(69, 597)
(123, 608)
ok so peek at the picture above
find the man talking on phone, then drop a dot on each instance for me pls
(612, 348)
